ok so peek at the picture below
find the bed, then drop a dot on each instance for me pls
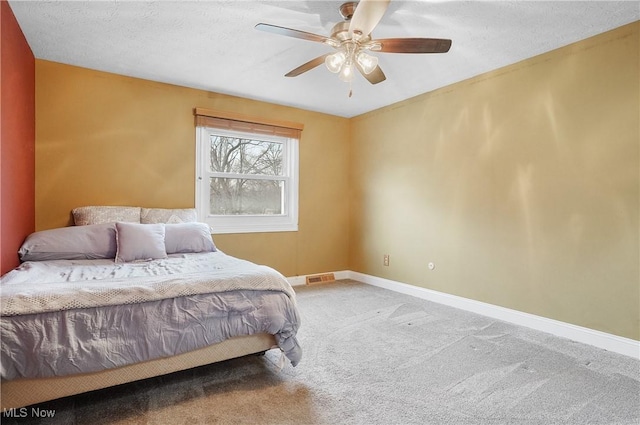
(109, 302)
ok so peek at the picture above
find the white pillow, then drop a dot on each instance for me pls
(83, 216)
(167, 215)
(188, 237)
(139, 242)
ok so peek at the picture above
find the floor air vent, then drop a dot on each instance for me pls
(320, 278)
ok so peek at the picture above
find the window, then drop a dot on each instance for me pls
(246, 180)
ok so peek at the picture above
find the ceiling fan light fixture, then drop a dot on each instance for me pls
(367, 62)
(346, 73)
(353, 41)
(335, 61)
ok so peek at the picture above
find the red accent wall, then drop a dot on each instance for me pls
(17, 139)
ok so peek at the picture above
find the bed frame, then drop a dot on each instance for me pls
(24, 392)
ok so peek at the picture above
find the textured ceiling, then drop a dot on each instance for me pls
(212, 45)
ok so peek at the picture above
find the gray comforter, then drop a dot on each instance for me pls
(99, 321)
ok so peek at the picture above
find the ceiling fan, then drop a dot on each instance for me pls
(352, 40)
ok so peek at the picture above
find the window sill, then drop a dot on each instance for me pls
(250, 228)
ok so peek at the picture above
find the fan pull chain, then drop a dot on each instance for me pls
(350, 89)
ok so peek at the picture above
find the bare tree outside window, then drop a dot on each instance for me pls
(254, 185)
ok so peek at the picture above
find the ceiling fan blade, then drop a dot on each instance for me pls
(307, 66)
(367, 15)
(374, 77)
(414, 45)
(274, 29)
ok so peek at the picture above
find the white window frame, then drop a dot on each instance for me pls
(221, 224)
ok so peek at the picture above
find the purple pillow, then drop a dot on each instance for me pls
(183, 238)
(90, 242)
(139, 242)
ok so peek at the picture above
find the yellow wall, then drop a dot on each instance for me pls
(105, 139)
(521, 185)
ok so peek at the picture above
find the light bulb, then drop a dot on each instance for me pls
(346, 73)
(335, 61)
(367, 62)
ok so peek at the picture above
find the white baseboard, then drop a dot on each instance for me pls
(297, 280)
(617, 344)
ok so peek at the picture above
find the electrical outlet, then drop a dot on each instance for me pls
(385, 261)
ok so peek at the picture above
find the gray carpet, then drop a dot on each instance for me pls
(372, 356)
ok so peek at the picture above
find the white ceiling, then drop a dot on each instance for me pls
(212, 45)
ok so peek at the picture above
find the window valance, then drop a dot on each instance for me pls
(238, 122)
